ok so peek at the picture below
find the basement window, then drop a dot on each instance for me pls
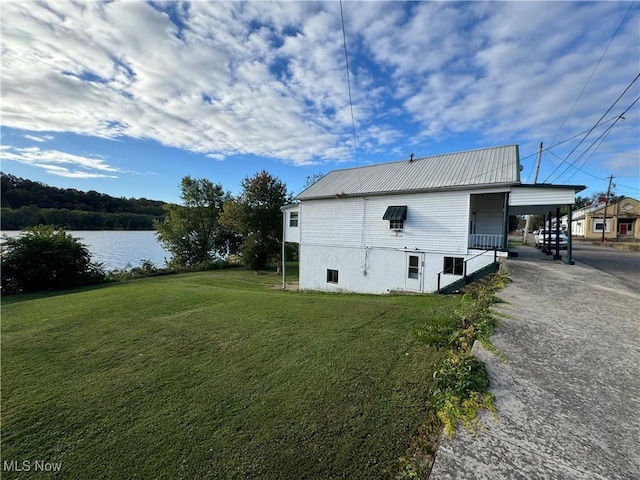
(332, 276)
(396, 216)
(454, 265)
(293, 219)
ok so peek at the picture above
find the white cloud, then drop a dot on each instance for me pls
(59, 163)
(42, 138)
(268, 79)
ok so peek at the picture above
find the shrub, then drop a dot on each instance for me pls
(46, 259)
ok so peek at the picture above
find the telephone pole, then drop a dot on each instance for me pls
(535, 179)
(606, 204)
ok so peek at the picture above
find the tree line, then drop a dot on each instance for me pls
(26, 203)
(203, 232)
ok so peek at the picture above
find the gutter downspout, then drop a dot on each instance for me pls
(284, 260)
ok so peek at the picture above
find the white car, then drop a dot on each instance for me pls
(542, 237)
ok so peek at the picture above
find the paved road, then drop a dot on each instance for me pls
(568, 399)
(623, 265)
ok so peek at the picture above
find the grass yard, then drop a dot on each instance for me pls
(213, 375)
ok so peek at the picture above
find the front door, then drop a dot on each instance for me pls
(414, 271)
(623, 229)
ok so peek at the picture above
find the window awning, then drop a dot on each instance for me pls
(395, 213)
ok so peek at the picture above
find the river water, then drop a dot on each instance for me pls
(118, 248)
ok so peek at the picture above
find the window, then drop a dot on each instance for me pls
(293, 219)
(332, 276)
(396, 216)
(396, 224)
(598, 225)
(454, 265)
(414, 266)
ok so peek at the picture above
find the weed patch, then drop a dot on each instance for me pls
(460, 387)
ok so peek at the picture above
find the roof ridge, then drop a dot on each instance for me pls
(424, 158)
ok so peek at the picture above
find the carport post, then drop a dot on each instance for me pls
(547, 239)
(569, 259)
(557, 256)
(505, 224)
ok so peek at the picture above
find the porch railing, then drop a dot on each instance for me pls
(485, 241)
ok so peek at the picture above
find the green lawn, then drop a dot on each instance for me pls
(213, 375)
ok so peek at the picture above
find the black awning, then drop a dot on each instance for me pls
(395, 213)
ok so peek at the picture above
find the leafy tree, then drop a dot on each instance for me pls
(311, 179)
(45, 259)
(255, 215)
(191, 231)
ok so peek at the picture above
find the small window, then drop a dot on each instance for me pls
(396, 216)
(293, 219)
(454, 265)
(396, 224)
(414, 266)
(332, 276)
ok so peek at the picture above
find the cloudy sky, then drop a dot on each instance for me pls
(127, 97)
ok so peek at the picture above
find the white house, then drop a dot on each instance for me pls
(415, 225)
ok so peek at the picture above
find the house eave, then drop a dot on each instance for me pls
(504, 186)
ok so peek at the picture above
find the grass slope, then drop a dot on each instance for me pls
(214, 375)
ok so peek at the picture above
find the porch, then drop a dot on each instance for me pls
(486, 241)
(488, 221)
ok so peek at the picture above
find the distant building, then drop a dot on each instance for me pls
(621, 222)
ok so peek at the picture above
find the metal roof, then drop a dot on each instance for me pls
(484, 167)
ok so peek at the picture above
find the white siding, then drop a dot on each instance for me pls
(489, 216)
(436, 222)
(525, 196)
(292, 234)
(374, 270)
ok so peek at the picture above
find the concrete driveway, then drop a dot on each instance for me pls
(569, 398)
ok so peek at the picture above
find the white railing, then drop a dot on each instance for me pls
(484, 240)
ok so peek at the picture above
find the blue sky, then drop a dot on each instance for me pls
(126, 98)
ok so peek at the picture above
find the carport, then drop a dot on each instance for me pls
(547, 200)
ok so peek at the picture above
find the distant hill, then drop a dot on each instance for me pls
(27, 203)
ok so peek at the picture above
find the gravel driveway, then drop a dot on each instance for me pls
(569, 398)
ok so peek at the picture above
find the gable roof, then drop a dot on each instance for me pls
(484, 167)
(617, 208)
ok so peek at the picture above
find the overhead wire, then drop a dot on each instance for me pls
(594, 127)
(353, 121)
(596, 140)
(593, 71)
(578, 168)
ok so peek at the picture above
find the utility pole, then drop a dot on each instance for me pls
(535, 179)
(606, 204)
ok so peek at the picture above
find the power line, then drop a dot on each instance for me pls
(604, 137)
(578, 168)
(570, 138)
(592, 128)
(346, 60)
(596, 140)
(626, 186)
(593, 71)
